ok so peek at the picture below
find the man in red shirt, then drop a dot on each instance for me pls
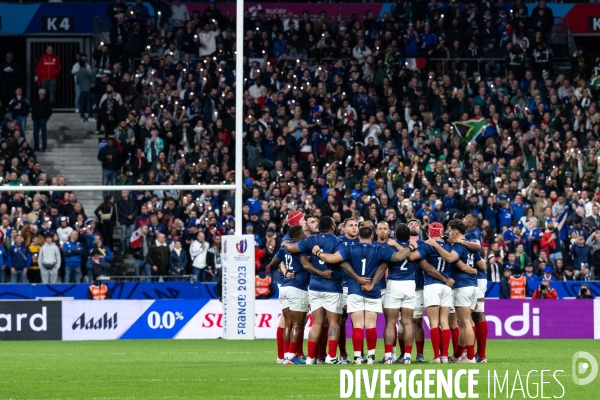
(47, 71)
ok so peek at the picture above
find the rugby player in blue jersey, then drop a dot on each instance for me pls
(437, 292)
(325, 294)
(294, 218)
(350, 236)
(473, 242)
(465, 288)
(419, 333)
(364, 260)
(293, 293)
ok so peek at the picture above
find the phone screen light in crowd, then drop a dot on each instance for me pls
(195, 36)
(313, 167)
(161, 106)
(159, 13)
(101, 43)
(298, 60)
(148, 47)
(131, 12)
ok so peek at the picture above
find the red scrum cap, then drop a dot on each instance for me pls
(294, 218)
(436, 229)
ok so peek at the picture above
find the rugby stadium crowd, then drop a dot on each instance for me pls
(429, 113)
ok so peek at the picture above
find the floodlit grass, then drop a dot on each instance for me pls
(216, 369)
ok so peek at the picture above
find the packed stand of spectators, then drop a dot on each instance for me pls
(337, 121)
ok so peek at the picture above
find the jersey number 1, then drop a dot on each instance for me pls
(364, 266)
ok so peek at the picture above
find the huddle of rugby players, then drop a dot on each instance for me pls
(365, 272)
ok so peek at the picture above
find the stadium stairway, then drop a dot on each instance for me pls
(73, 153)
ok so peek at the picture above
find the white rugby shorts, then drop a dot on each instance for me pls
(331, 302)
(466, 296)
(293, 298)
(419, 304)
(357, 303)
(438, 295)
(400, 294)
(482, 286)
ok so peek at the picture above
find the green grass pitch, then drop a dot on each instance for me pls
(219, 369)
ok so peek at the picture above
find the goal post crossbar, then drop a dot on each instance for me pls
(106, 188)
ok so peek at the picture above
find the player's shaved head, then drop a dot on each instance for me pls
(471, 220)
(403, 232)
(326, 225)
(296, 232)
(382, 231)
(365, 232)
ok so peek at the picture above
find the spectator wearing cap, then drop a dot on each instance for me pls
(19, 260)
(40, 114)
(110, 156)
(547, 274)
(49, 260)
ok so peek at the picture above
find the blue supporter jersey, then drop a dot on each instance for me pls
(462, 279)
(292, 264)
(472, 235)
(365, 259)
(430, 254)
(330, 245)
(404, 270)
(351, 242)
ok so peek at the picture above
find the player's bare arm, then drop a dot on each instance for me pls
(347, 268)
(465, 268)
(473, 246)
(291, 247)
(447, 256)
(305, 261)
(288, 274)
(328, 258)
(377, 276)
(481, 266)
(434, 273)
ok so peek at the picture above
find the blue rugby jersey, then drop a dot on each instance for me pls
(293, 264)
(330, 245)
(462, 279)
(474, 234)
(365, 258)
(430, 254)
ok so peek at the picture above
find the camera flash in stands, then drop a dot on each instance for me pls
(131, 12)
(159, 13)
(298, 60)
(148, 47)
(101, 43)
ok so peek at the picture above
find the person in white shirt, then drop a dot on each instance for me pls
(64, 232)
(207, 38)
(198, 252)
(361, 51)
(180, 14)
(49, 261)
